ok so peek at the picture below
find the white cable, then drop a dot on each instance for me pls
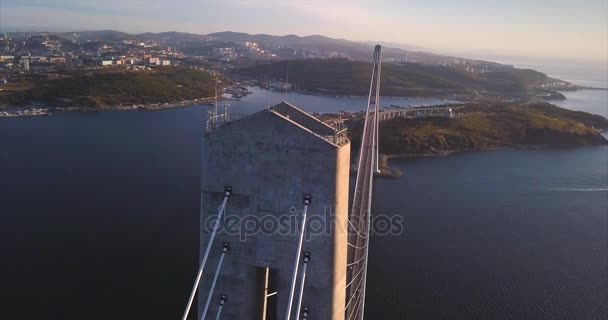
(355, 277)
(297, 260)
(377, 103)
(354, 246)
(221, 307)
(355, 262)
(356, 306)
(365, 144)
(355, 229)
(217, 273)
(369, 213)
(354, 294)
(306, 259)
(227, 192)
(361, 150)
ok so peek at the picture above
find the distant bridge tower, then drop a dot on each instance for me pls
(271, 159)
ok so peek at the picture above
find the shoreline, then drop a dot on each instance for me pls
(108, 108)
(454, 99)
(316, 93)
(199, 101)
(389, 172)
(386, 171)
(583, 88)
(143, 107)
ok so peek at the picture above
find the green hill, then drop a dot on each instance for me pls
(342, 76)
(112, 87)
(486, 127)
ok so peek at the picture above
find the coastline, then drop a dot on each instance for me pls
(206, 101)
(142, 107)
(386, 171)
(452, 97)
(582, 88)
(103, 108)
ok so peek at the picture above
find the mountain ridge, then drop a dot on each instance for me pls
(355, 49)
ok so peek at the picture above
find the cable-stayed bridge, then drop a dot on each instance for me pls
(254, 170)
(360, 214)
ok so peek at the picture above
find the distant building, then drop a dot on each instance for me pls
(26, 64)
(280, 85)
(69, 60)
(57, 60)
(7, 58)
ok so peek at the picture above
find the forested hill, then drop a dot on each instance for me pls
(111, 87)
(487, 126)
(341, 76)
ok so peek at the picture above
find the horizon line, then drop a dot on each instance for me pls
(388, 44)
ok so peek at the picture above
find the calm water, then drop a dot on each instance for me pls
(100, 221)
(510, 234)
(593, 101)
(582, 73)
(264, 98)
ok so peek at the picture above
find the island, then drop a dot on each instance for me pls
(481, 126)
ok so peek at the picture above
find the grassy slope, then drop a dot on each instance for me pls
(116, 86)
(489, 126)
(352, 77)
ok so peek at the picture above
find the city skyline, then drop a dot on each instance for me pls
(543, 29)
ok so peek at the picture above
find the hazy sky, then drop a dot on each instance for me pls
(552, 28)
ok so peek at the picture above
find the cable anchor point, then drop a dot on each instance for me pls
(227, 191)
(307, 199)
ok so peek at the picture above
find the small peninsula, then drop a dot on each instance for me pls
(486, 126)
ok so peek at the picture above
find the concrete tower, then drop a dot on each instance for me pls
(271, 159)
